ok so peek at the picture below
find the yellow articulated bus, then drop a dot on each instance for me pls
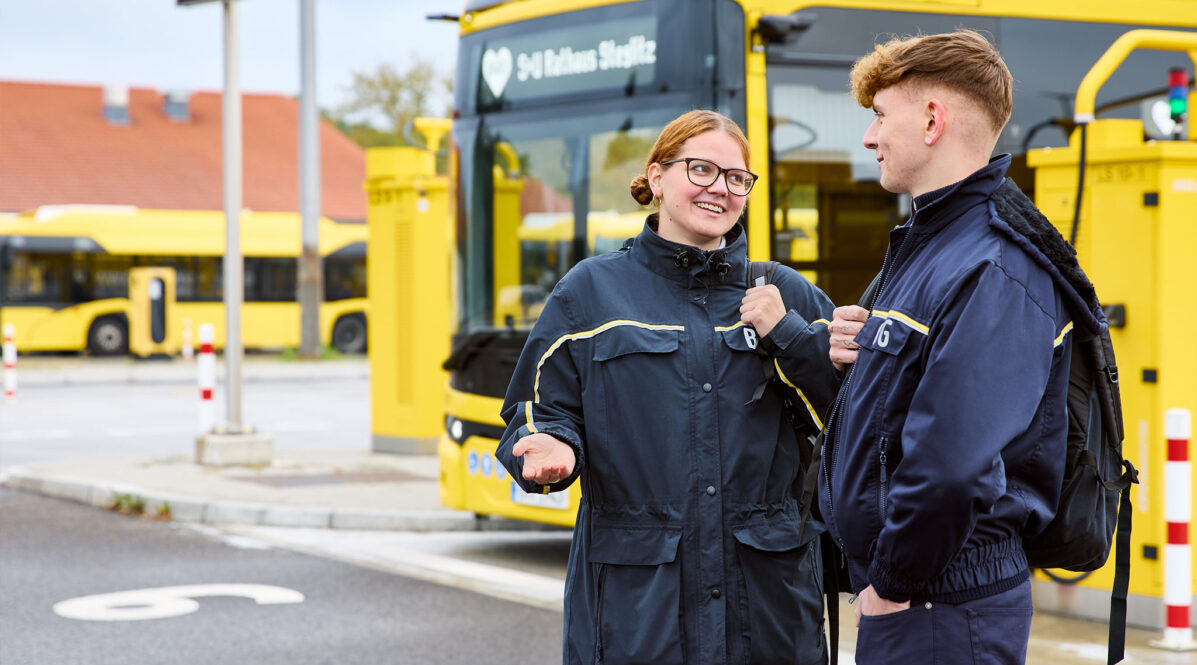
(558, 101)
(65, 276)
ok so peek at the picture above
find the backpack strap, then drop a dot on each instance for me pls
(756, 272)
(870, 292)
(759, 274)
(1121, 569)
(759, 269)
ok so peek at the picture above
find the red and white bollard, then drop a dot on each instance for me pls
(188, 348)
(1178, 497)
(10, 362)
(206, 369)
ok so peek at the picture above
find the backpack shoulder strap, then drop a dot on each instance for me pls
(870, 292)
(759, 269)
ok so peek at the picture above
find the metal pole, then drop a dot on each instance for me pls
(311, 282)
(233, 269)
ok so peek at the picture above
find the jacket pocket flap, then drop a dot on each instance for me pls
(622, 340)
(633, 545)
(888, 334)
(777, 534)
(738, 338)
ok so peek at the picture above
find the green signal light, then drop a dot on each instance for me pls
(1177, 106)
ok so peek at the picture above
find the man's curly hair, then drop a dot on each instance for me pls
(962, 61)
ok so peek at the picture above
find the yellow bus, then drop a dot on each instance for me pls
(64, 276)
(577, 91)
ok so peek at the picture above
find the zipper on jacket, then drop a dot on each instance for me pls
(598, 615)
(884, 494)
(829, 462)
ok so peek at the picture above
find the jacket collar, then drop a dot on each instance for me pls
(935, 209)
(687, 264)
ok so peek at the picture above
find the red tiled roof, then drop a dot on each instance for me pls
(56, 147)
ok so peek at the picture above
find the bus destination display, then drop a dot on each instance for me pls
(608, 54)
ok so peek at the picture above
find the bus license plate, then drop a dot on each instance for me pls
(555, 501)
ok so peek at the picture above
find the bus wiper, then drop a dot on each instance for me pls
(466, 349)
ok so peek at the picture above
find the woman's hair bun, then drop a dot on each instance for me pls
(641, 191)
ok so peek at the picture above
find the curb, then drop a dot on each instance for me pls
(215, 512)
(149, 373)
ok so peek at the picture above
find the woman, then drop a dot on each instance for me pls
(639, 380)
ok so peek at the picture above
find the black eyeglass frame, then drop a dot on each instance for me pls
(722, 172)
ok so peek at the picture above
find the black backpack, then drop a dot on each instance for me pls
(1094, 511)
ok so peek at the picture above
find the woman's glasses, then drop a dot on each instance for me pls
(704, 173)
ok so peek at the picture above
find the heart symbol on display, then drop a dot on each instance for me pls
(1161, 115)
(496, 70)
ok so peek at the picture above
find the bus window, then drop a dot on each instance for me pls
(109, 276)
(344, 278)
(270, 279)
(830, 216)
(38, 278)
(545, 211)
(822, 177)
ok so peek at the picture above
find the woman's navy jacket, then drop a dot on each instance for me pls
(686, 548)
(947, 439)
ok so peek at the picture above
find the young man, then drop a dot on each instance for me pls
(946, 442)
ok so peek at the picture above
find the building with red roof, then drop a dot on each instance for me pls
(77, 144)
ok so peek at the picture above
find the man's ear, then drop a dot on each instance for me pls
(936, 114)
(654, 174)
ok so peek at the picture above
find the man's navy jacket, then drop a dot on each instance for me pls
(947, 439)
(686, 547)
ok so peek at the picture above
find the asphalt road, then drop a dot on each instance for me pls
(119, 420)
(310, 610)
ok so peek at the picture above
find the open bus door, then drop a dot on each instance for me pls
(153, 330)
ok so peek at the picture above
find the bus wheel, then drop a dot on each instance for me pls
(349, 334)
(108, 336)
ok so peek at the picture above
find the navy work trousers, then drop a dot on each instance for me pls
(993, 630)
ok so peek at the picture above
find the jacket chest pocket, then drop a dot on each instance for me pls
(637, 568)
(891, 334)
(629, 340)
(741, 364)
(741, 338)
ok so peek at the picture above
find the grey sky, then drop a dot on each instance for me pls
(157, 44)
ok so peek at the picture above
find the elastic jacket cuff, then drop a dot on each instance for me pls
(569, 438)
(784, 333)
(891, 584)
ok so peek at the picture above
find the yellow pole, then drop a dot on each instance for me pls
(1101, 71)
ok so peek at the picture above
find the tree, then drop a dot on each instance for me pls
(384, 101)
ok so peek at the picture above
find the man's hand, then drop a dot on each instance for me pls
(547, 459)
(870, 604)
(762, 308)
(845, 323)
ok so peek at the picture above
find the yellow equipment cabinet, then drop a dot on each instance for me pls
(153, 321)
(407, 266)
(1137, 237)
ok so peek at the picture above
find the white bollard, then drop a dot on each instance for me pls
(188, 349)
(206, 370)
(10, 361)
(1178, 497)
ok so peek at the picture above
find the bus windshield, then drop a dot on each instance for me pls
(554, 193)
(556, 116)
